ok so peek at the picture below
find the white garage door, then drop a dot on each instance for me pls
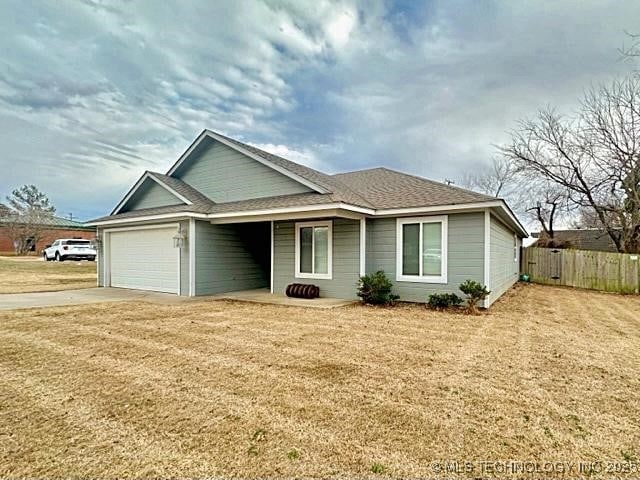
(144, 259)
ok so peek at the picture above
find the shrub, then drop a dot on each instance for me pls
(375, 289)
(440, 301)
(475, 292)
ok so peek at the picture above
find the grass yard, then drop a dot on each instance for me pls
(31, 274)
(221, 388)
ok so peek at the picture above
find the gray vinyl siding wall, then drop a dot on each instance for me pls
(151, 195)
(346, 259)
(231, 257)
(465, 255)
(503, 270)
(225, 175)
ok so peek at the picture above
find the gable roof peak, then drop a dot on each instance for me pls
(315, 180)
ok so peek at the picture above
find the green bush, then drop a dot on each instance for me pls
(440, 301)
(375, 289)
(475, 292)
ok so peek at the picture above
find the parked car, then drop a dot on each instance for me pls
(70, 249)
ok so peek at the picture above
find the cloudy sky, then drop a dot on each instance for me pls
(93, 93)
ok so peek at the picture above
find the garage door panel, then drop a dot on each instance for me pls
(145, 260)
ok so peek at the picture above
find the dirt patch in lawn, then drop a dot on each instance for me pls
(230, 388)
(31, 274)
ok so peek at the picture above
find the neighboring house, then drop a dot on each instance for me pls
(228, 216)
(52, 229)
(581, 239)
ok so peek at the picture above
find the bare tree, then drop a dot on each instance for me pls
(547, 206)
(540, 201)
(632, 49)
(594, 157)
(497, 180)
(27, 215)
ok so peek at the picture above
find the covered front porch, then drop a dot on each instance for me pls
(261, 255)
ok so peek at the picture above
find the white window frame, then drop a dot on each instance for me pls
(444, 220)
(321, 276)
(515, 248)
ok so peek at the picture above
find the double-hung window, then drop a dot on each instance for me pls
(421, 250)
(313, 250)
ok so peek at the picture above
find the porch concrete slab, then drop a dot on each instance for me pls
(12, 301)
(265, 296)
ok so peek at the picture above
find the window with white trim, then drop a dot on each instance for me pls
(421, 250)
(313, 255)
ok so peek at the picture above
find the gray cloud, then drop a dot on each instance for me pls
(92, 94)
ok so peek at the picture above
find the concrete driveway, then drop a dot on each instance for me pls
(12, 301)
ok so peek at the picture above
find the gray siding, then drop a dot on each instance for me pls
(503, 270)
(465, 255)
(346, 259)
(151, 195)
(225, 175)
(231, 257)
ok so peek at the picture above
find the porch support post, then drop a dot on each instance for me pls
(192, 257)
(272, 252)
(363, 246)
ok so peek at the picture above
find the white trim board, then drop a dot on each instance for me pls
(291, 215)
(327, 209)
(146, 175)
(498, 203)
(273, 251)
(487, 255)
(148, 218)
(192, 257)
(363, 247)
(244, 151)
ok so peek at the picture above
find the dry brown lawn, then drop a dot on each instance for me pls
(222, 388)
(31, 274)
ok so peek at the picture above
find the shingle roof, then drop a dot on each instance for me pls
(281, 201)
(198, 199)
(143, 212)
(384, 188)
(583, 239)
(376, 188)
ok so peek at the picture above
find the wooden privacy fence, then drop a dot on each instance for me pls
(611, 272)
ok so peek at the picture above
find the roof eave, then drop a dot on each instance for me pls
(292, 210)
